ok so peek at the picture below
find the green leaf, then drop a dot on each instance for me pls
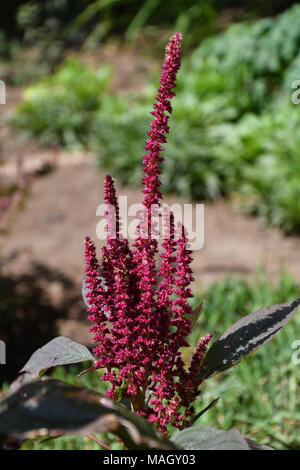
(58, 408)
(246, 336)
(207, 438)
(59, 351)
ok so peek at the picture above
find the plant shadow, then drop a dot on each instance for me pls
(31, 307)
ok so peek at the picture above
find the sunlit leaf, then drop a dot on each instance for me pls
(59, 351)
(207, 438)
(246, 335)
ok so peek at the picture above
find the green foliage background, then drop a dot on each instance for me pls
(233, 130)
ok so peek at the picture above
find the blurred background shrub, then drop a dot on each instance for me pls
(234, 128)
(60, 109)
(47, 29)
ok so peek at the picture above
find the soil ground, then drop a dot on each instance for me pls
(61, 210)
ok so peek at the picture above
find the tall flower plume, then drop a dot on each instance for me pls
(141, 313)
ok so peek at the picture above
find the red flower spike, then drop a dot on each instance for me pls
(141, 315)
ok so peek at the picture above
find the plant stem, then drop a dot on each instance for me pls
(101, 443)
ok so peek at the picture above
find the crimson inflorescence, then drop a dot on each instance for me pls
(141, 313)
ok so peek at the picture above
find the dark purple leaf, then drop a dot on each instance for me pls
(207, 438)
(246, 336)
(58, 408)
(59, 351)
